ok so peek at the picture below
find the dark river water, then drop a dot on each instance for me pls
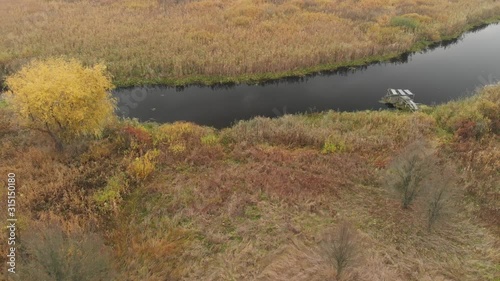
(445, 72)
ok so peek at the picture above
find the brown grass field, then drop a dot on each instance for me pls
(210, 41)
(259, 200)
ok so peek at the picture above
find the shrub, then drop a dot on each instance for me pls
(491, 110)
(61, 98)
(333, 145)
(56, 255)
(409, 170)
(210, 140)
(111, 195)
(178, 132)
(177, 148)
(473, 117)
(142, 167)
(340, 248)
(138, 138)
(436, 207)
(467, 129)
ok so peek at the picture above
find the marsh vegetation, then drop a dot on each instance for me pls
(265, 199)
(299, 197)
(210, 41)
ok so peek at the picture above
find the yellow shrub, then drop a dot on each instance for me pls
(111, 195)
(142, 167)
(333, 145)
(177, 132)
(210, 139)
(172, 133)
(62, 97)
(177, 148)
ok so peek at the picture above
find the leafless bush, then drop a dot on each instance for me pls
(440, 194)
(340, 248)
(436, 206)
(51, 254)
(409, 172)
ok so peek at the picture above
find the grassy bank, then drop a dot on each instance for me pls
(217, 41)
(261, 200)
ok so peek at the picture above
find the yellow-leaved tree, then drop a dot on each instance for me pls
(62, 98)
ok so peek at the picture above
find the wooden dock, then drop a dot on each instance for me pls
(400, 99)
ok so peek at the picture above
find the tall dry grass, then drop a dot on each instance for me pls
(157, 41)
(473, 126)
(254, 201)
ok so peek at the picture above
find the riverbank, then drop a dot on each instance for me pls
(263, 78)
(262, 199)
(214, 42)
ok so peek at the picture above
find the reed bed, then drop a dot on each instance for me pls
(209, 41)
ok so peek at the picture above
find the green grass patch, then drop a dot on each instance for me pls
(405, 22)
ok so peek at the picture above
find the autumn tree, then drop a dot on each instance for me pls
(62, 98)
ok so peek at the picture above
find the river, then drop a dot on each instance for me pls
(438, 74)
